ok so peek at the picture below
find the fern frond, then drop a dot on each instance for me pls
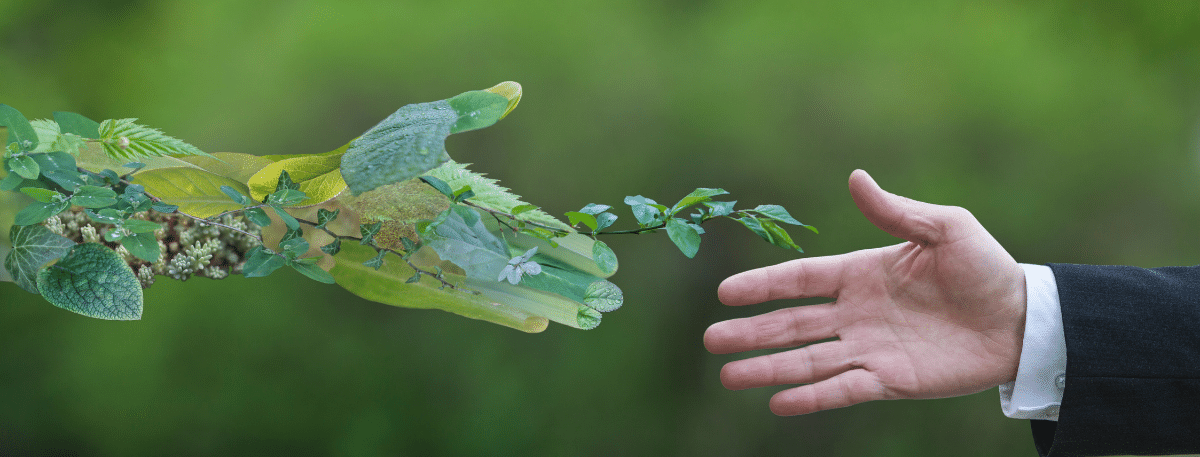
(125, 140)
(490, 195)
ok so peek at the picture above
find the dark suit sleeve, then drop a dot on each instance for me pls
(1133, 362)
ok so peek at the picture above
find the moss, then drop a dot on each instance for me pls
(399, 207)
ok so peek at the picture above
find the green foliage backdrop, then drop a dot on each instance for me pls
(1068, 129)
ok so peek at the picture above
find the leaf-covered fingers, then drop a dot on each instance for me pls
(800, 278)
(798, 366)
(777, 329)
(846, 389)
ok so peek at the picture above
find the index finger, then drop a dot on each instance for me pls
(800, 278)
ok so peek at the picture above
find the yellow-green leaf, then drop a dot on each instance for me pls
(234, 165)
(319, 176)
(195, 191)
(510, 90)
(388, 285)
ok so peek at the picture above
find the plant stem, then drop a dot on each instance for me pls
(497, 215)
(218, 224)
(232, 211)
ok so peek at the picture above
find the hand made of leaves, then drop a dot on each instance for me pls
(389, 216)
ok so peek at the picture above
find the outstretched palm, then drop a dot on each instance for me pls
(939, 315)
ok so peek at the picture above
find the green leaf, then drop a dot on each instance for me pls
(325, 216)
(561, 279)
(604, 257)
(41, 195)
(237, 166)
(552, 306)
(702, 194)
(92, 280)
(397, 284)
(38, 212)
(522, 208)
(77, 124)
(260, 263)
(234, 195)
(105, 216)
(46, 131)
(142, 141)
(333, 248)
(412, 140)
(469, 215)
(755, 225)
(294, 247)
(60, 167)
(141, 226)
(194, 191)
(720, 208)
(258, 217)
(368, 232)
(19, 129)
(56, 160)
(67, 179)
(603, 296)
(605, 220)
(164, 208)
(776, 212)
(24, 166)
(477, 109)
(511, 90)
(52, 139)
(94, 197)
(490, 195)
(643, 211)
(113, 235)
(33, 246)
(307, 268)
(575, 217)
(463, 194)
(317, 175)
(110, 177)
(594, 209)
(11, 181)
(142, 245)
(439, 185)
(288, 220)
(779, 236)
(684, 236)
(472, 247)
(287, 197)
(376, 261)
(285, 182)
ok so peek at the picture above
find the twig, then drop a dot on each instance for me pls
(496, 214)
(415, 268)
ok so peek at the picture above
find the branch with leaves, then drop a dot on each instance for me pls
(388, 216)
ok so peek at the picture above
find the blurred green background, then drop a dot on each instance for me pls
(1070, 129)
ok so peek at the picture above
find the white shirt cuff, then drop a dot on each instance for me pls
(1041, 375)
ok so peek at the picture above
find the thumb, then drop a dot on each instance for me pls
(919, 222)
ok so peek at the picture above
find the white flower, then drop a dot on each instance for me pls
(518, 266)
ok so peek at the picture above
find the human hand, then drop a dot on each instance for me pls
(940, 315)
